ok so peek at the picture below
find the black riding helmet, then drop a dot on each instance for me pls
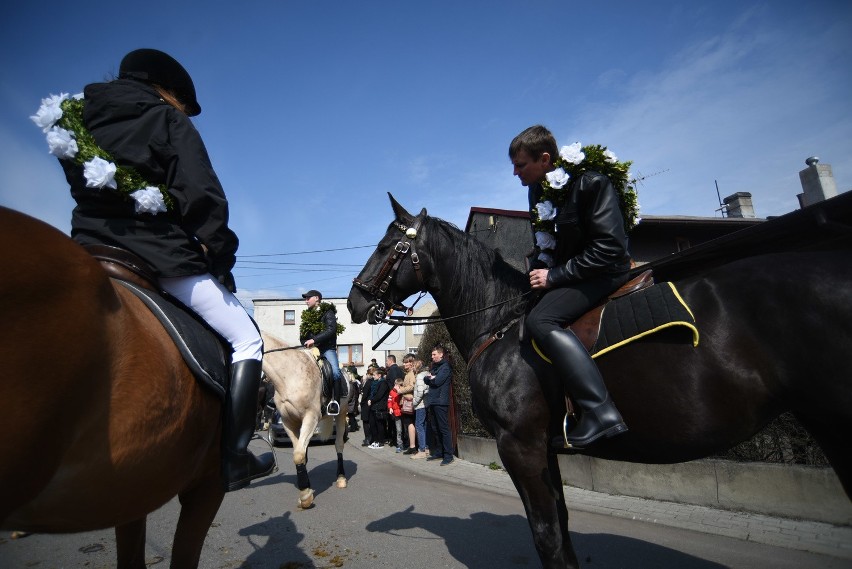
(154, 66)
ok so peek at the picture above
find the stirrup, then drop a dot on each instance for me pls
(333, 408)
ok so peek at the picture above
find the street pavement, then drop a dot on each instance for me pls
(415, 514)
(801, 535)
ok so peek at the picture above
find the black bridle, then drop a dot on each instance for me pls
(378, 286)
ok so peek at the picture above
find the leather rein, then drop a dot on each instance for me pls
(378, 286)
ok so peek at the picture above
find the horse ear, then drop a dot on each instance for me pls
(398, 210)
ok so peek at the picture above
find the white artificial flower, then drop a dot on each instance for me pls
(572, 154)
(544, 240)
(49, 112)
(557, 178)
(546, 258)
(149, 200)
(610, 156)
(546, 211)
(99, 173)
(61, 143)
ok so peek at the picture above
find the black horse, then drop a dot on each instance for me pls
(775, 336)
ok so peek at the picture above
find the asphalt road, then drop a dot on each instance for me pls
(408, 515)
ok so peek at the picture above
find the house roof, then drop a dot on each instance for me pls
(492, 211)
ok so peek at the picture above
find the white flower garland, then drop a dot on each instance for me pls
(573, 161)
(99, 172)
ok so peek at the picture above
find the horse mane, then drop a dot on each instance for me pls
(480, 274)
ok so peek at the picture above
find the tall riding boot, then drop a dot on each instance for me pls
(584, 384)
(239, 466)
(333, 407)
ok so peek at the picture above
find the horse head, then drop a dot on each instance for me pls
(394, 271)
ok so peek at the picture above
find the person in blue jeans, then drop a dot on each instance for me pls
(326, 342)
(438, 403)
(420, 392)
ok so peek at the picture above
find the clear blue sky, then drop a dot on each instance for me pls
(313, 111)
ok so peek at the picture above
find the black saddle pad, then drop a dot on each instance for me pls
(641, 313)
(202, 350)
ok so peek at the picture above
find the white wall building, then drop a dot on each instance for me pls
(281, 317)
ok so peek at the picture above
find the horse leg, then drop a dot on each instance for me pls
(130, 545)
(339, 442)
(300, 459)
(835, 445)
(199, 505)
(537, 480)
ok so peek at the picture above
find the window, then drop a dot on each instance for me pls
(417, 329)
(412, 350)
(350, 354)
(289, 317)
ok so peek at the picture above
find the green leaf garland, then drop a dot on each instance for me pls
(312, 324)
(595, 161)
(127, 179)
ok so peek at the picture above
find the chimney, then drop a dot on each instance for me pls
(739, 205)
(817, 181)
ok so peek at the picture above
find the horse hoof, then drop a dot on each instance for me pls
(341, 482)
(306, 499)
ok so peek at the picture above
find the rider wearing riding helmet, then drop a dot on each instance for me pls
(142, 120)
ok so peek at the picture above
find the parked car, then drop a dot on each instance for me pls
(278, 436)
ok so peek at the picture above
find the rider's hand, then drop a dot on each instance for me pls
(538, 279)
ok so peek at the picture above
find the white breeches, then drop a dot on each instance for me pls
(221, 310)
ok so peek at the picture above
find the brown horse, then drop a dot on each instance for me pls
(130, 427)
(298, 398)
(775, 337)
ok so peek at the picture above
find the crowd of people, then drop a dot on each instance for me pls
(406, 408)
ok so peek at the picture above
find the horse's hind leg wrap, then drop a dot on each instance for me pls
(302, 481)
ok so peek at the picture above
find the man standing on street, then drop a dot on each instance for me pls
(438, 403)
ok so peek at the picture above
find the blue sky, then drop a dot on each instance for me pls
(313, 111)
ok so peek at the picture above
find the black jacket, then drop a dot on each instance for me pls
(590, 235)
(130, 121)
(440, 381)
(327, 338)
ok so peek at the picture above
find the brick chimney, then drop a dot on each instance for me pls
(739, 205)
(817, 181)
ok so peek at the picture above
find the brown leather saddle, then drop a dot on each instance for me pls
(123, 265)
(587, 328)
(205, 352)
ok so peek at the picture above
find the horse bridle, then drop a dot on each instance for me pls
(379, 285)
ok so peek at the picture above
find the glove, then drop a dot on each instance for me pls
(227, 280)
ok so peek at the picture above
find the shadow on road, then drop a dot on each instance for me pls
(488, 540)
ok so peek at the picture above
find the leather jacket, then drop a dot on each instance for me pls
(590, 235)
(129, 120)
(327, 339)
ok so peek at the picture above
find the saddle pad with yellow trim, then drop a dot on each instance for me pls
(640, 314)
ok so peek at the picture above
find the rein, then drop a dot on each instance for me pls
(282, 349)
(378, 286)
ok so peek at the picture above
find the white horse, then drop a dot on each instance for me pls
(298, 397)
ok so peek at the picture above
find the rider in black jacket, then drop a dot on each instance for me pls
(590, 260)
(142, 121)
(326, 342)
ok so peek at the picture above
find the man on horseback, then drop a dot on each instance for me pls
(166, 205)
(589, 260)
(326, 342)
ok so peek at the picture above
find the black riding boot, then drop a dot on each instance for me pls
(584, 384)
(239, 466)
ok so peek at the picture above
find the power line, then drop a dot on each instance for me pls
(306, 252)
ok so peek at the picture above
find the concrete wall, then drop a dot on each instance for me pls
(772, 489)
